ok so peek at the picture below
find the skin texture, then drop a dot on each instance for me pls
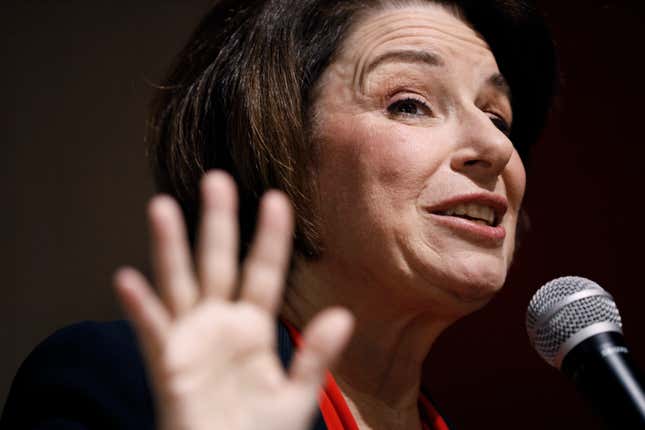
(395, 138)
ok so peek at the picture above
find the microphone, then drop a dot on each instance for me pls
(575, 326)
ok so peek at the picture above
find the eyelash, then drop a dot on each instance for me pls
(408, 100)
(501, 124)
(497, 121)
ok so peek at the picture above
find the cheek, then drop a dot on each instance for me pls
(378, 156)
(515, 183)
(515, 179)
(370, 177)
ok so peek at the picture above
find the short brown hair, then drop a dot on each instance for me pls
(238, 96)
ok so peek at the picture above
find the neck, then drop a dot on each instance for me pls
(380, 371)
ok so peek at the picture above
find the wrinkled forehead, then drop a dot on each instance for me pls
(430, 27)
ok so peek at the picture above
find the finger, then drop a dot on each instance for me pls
(171, 255)
(264, 272)
(146, 312)
(323, 340)
(217, 246)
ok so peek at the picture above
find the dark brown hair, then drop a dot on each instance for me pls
(238, 96)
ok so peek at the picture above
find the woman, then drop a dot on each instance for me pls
(395, 129)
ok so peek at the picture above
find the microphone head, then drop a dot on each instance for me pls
(566, 311)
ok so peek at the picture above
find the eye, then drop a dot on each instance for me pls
(408, 107)
(501, 124)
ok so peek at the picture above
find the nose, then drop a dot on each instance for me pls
(482, 151)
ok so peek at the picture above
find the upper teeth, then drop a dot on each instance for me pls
(473, 210)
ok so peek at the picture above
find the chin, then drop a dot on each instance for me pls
(476, 280)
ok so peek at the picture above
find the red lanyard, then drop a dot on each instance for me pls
(337, 414)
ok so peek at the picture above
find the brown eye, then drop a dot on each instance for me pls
(408, 107)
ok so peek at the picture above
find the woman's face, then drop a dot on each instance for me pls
(420, 186)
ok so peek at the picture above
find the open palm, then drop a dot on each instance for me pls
(211, 358)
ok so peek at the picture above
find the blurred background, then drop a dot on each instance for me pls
(74, 181)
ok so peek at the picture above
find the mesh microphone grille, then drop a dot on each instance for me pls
(568, 319)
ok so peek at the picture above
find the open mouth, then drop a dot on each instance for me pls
(475, 212)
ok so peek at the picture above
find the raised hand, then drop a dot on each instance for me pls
(211, 358)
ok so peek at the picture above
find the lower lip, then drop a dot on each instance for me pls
(472, 230)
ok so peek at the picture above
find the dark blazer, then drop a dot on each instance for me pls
(91, 376)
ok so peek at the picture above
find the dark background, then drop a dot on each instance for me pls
(74, 182)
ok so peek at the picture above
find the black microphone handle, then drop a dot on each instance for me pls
(604, 373)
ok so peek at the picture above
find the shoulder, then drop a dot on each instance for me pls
(89, 374)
